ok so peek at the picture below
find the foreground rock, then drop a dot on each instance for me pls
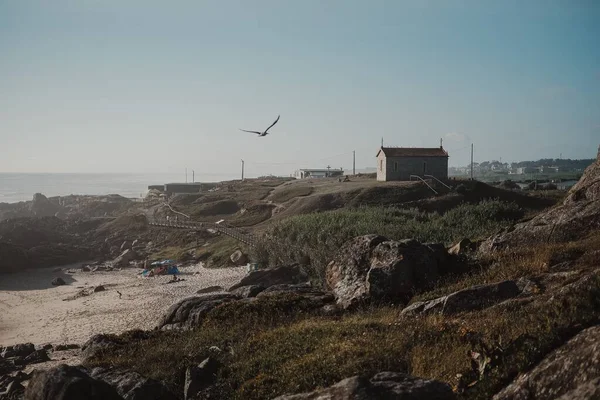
(200, 377)
(570, 372)
(373, 268)
(190, 312)
(473, 298)
(289, 274)
(133, 386)
(68, 383)
(385, 385)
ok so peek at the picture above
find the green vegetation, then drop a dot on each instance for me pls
(289, 192)
(217, 252)
(282, 346)
(320, 235)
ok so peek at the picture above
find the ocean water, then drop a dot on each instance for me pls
(15, 187)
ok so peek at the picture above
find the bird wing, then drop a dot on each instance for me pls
(273, 124)
(258, 133)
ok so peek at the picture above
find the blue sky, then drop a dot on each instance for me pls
(149, 86)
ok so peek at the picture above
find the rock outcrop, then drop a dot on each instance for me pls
(577, 216)
(373, 268)
(68, 383)
(570, 372)
(289, 274)
(199, 377)
(58, 281)
(124, 258)
(473, 298)
(190, 312)
(42, 207)
(248, 291)
(385, 385)
(133, 386)
(98, 344)
(239, 258)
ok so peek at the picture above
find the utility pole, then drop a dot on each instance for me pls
(328, 168)
(471, 161)
(354, 162)
(193, 177)
(186, 175)
(242, 169)
(382, 141)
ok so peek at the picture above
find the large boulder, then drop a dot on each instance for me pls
(124, 258)
(289, 274)
(316, 298)
(385, 385)
(248, 291)
(133, 386)
(12, 258)
(373, 268)
(68, 383)
(42, 207)
(239, 258)
(570, 372)
(190, 312)
(473, 298)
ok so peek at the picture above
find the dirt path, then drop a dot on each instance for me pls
(32, 310)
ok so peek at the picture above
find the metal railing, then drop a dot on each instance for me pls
(222, 228)
(424, 181)
(437, 180)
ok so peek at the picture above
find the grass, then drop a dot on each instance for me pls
(290, 192)
(281, 346)
(216, 254)
(320, 235)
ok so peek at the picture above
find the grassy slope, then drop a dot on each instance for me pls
(280, 347)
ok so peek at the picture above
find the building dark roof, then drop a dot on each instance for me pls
(413, 152)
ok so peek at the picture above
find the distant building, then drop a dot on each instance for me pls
(175, 188)
(318, 173)
(399, 163)
(527, 170)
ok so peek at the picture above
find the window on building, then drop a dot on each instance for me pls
(381, 165)
(395, 166)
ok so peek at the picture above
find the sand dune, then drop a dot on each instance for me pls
(32, 310)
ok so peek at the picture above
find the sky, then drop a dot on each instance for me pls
(160, 86)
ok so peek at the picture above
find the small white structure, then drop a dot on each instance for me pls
(318, 173)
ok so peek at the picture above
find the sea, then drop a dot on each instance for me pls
(15, 187)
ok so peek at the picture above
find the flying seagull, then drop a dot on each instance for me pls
(266, 132)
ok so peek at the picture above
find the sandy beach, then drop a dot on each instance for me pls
(32, 310)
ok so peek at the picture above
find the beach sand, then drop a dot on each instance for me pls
(32, 310)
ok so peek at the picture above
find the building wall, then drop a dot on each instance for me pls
(401, 168)
(381, 167)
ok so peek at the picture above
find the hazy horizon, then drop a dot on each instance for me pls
(106, 87)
